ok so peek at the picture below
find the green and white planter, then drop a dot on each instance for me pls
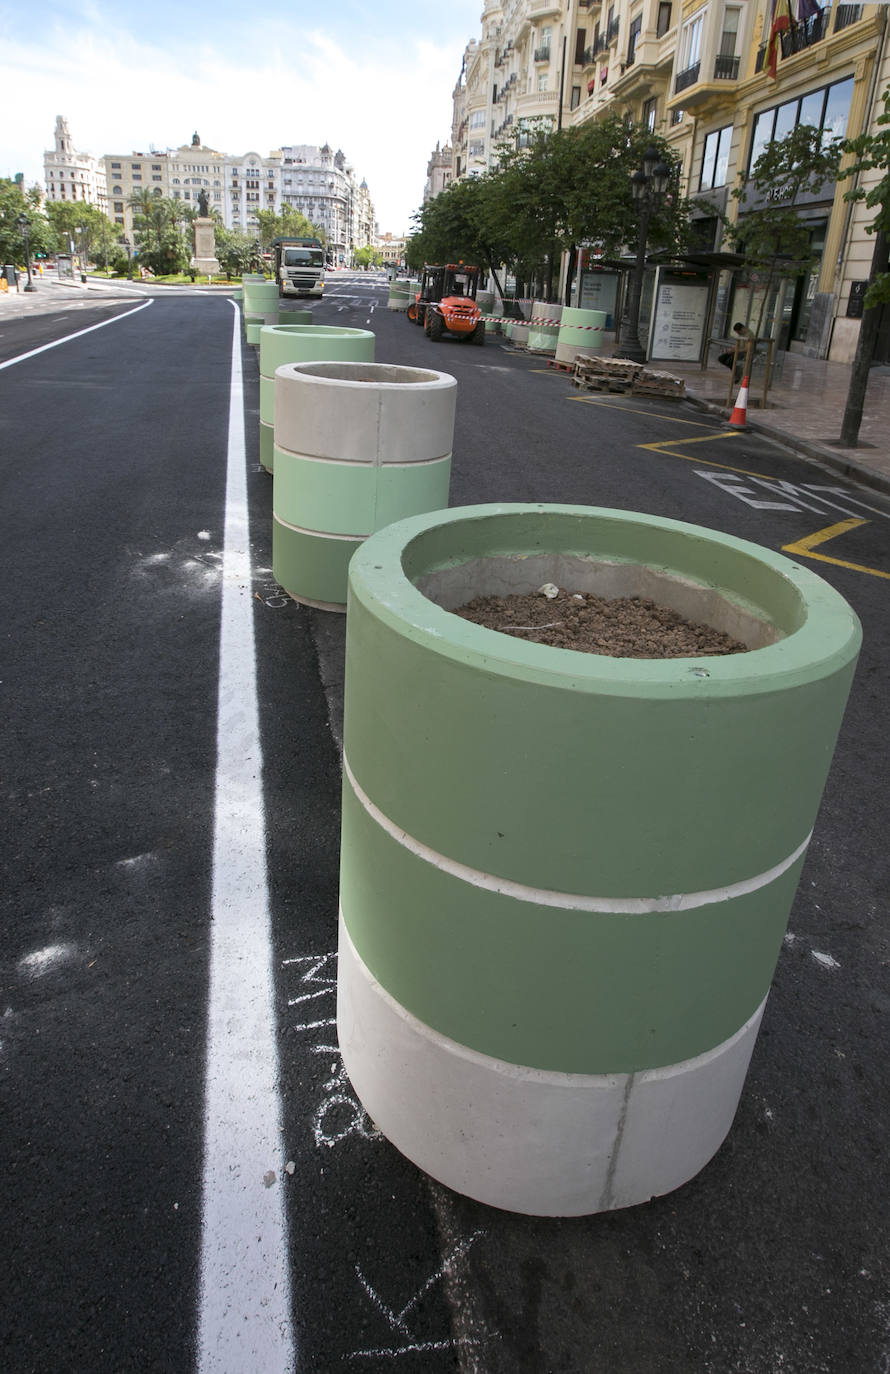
(399, 294)
(301, 343)
(581, 334)
(542, 337)
(357, 446)
(565, 878)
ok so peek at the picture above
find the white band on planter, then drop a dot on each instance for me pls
(525, 1139)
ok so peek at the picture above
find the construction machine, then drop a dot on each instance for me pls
(446, 303)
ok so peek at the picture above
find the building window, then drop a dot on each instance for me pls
(477, 119)
(542, 81)
(664, 18)
(116, 191)
(690, 45)
(715, 159)
(119, 207)
(575, 100)
(156, 178)
(118, 219)
(729, 36)
(580, 36)
(649, 109)
(115, 166)
(826, 108)
(155, 167)
(633, 35)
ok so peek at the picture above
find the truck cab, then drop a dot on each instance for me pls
(299, 266)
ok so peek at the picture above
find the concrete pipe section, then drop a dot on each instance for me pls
(300, 341)
(542, 336)
(565, 877)
(357, 446)
(400, 294)
(581, 333)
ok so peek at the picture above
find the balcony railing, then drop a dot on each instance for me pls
(687, 78)
(726, 68)
(542, 54)
(612, 31)
(813, 30)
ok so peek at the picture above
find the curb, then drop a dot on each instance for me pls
(848, 467)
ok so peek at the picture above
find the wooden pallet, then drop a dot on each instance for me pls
(594, 383)
(561, 367)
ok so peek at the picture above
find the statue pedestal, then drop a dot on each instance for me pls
(204, 260)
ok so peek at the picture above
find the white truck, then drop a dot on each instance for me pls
(299, 266)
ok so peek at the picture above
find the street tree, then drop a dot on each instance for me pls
(158, 230)
(15, 201)
(291, 223)
(83, 227)
(871, 153)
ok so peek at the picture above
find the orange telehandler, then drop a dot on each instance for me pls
(446, 302)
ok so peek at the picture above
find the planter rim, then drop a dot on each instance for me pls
(827, 639)
(331, 373)
(316, 329)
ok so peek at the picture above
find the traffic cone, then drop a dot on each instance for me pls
(739, 417)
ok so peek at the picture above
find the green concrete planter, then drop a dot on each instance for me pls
(542, 338)
(581, 332)
(357, 446)
(565, 878)
(260, 296)
(301, 343)
(400, 294)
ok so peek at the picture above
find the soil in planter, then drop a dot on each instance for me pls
(619, 627)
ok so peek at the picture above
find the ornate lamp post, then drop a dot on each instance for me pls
(648, 184)
(24, 225)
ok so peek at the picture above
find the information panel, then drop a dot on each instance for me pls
(681, 316)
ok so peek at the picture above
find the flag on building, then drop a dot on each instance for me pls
(781, 23)
(807, 9)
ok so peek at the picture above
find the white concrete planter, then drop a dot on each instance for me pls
(519, 330)
(357, 446)
(565, 878)
(302, 342)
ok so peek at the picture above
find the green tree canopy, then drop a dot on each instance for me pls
(550, 192)
(15, 201)
(290, 223)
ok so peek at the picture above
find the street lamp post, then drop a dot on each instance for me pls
(648, 184)
(25, 229)
(129, 247)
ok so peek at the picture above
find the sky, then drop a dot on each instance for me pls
(375, 80)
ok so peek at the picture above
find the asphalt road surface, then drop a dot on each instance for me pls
(139, 926)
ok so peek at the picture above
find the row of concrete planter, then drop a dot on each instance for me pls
(565, 878)
(352, 445)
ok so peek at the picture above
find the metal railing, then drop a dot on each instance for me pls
(542, 54)
(726, 68)
(612, 31)
(687, 78)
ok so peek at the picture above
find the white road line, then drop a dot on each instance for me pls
(68, 337)
(245, 1315)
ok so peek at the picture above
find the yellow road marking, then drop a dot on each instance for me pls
(664, 446)
(804, 547)
(634, 410)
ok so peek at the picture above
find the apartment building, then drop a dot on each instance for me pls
(317, 181)
(699, 73)
(438, 172)
(70, 175)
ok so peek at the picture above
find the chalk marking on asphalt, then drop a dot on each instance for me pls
(571, 901)
(245, 1316)
(803, 548)
(10, 362)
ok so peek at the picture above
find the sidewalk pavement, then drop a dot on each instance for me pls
(804, 411)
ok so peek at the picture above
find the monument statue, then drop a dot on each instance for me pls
(203, 204)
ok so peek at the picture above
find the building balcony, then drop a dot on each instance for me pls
(701, 83)
(612, 30)
(811, 31)
(542, 54)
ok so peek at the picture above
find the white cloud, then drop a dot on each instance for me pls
(385, 99)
